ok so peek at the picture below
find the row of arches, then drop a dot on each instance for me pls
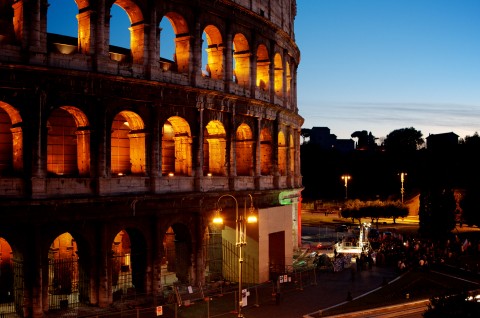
(203, 45)
(68, 146)
(71, 267)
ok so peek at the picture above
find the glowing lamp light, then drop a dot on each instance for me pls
(209, 174)
(218, 218)
(171, 174)
(252, 218)
(120, 174)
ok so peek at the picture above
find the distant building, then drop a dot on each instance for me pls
(321, 136)
(442, 141)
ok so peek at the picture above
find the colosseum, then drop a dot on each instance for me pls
(114, 160)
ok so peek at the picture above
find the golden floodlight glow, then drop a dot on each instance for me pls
(218, 218)
(252, 218)
(171, 174)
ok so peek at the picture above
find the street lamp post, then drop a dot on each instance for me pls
(241, 221)
(402, 179)
(346, 177)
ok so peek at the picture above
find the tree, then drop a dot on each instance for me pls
(470, 204)
(404, 140)
(437, 212)
(366, 141)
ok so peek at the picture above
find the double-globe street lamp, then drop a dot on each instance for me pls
(241, 221)
(346, 177)
(402, 180)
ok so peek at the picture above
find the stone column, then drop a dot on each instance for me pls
(228, 53)
(257, 162)
(198, 145)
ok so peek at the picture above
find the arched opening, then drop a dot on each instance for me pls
(136, 33)
(174, 43)
(266, 166)
(177, 257)
(127, 144)
(11, 141)
(263, 65)
(214, 50)
(7, 30)
(244, 150)
(278, 75)
(282, 154)
(176, 147)
(68, 142)
(241, 59)
(129, 262)
(63, 273)
(11, 281)
(214, 149)
(62, 26)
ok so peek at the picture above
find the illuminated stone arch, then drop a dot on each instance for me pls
(291, 147)
(266, 150)
(137, 28)
(182, 41)
(278, 74)
(282, 154)
(177, 254)
(241, 58)
(244, 150)
(129, 263)
(68, 142)
(11, 269)
(128, 144)
(11, 140)
(176, 147)
(214, 149)
(263, 66)
(63, 273)
(215, 61)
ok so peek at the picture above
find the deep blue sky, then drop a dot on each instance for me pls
(374, 65)
(380, 65)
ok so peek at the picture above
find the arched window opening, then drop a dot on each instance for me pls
(241, 60)
(61, 143)
(11, 141)
(213, 47)
(176, 147)
(68, 142)
(263, 65)
(282, 154)
(174, 43)
(278, 75)
(63, 273)
(11, 281)
(214, 149)
(127, 144)
(177, 255)
(62, 26)
(128, 263)
(126, 16)
(266, 166)
(244, 151)
(7, 20)
(292, 155)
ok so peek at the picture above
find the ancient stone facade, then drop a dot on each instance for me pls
(112, 160)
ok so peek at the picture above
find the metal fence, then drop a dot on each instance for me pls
(218, 299)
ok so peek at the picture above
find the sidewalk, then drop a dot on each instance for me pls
(332, 288)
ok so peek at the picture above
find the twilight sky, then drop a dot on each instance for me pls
(375, 65)
(381, 65)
